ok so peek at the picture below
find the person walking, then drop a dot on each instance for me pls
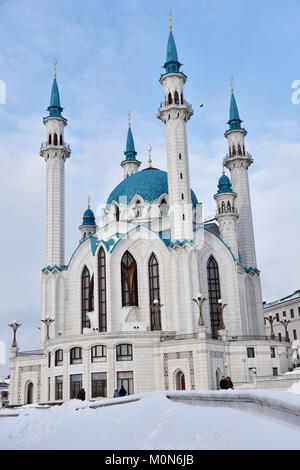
(223, 383)
(122, 392)
(116, 393)
(229, 384)
(81, 394)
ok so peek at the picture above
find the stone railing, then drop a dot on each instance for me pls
(30, 353)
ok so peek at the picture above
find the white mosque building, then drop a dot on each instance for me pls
(155, 298)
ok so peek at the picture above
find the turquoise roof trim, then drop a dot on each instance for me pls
(149, 184)
(52, 268)
(251, 269)
(172, 65)
(55, 109)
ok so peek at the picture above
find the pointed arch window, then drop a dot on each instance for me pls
(102, 290)
(176, 98)
(170, 98)
(233, 150)
(181, 98)
(50, 139)
(129, 280)
(214, 293)
(87, 296)
(154, 290)
(117, 212)
(239, 150)
(55, 139)
(60, 140)
(164, 208)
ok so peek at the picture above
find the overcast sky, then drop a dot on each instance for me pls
(109, 57)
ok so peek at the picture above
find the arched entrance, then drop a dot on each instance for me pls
(29, 393)
(180, 380)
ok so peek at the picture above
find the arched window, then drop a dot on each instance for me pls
(87, 296)
(176, 98)
(124, 352)
(181, 98)
(60, 140)
(181, 176)
(170, 98)
(102, 290)
(59, 356)
(228, 206)
(214, 294)
(239, 150)
(164, 208)
(154, 291)
(180, 380)
(55, 139)
(76, 356)
(182, 196)
(50, 139)
(233, 150)
(99, 354)
(138, 210)
(117, 212)
(129, 280)
(179, 156)
(223, 207)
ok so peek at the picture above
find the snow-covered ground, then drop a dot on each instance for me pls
(153, 422)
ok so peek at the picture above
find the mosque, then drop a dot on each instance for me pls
(155, 298)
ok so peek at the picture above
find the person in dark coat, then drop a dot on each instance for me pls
(116, 393)
(229, 384)
(81, 394)
(122, 392)
(223, 383)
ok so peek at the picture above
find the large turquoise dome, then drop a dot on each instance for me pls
(149, 183)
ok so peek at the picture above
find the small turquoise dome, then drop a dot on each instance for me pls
(88, 218)
(224, 185)
(149, 183)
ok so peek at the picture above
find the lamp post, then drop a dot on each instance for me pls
(14, 326)
(271, 321)
(285, 323)
(155, 309)
(48, 321)
(200, 301)
(225, 366)
(255, 376)
(221, 309)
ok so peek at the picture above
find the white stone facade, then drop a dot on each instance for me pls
(286, 308)
(184, 250)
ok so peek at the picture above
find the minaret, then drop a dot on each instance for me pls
(238, 162)
(226, 213)
(88, 226)
(55, 152)
(175, 112)
(130, 164)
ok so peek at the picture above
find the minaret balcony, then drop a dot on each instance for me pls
(168, 106)
(64, 146)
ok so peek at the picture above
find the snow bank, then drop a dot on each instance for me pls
(295, 388)
(152, 422)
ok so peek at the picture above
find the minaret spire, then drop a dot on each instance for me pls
(55, 152)
(175, 113)
(238, 162)
(130, 164)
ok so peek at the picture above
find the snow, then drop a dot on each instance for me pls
(295, 388)
(295, 371)
(151, 422)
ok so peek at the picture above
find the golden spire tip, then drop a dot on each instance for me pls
(129, 122)
(55, 64)
(89, 202)
(170, 21)
(231, 84)
(150, 160)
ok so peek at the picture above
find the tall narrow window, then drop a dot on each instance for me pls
(176, 98)
(85, 296)
(154, 291)
(61, 140)
(102, 290)
(129, 280)
(214, 294)
(117, 213)
(55, 139)
(50, 139)
(169, 98)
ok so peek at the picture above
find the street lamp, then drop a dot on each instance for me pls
(14, 326)
(200, 301)
(255, 376)
(48, 321)
(225, 365)
(155, 310)
(271, 321)
(285, 323)
(221, 319)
